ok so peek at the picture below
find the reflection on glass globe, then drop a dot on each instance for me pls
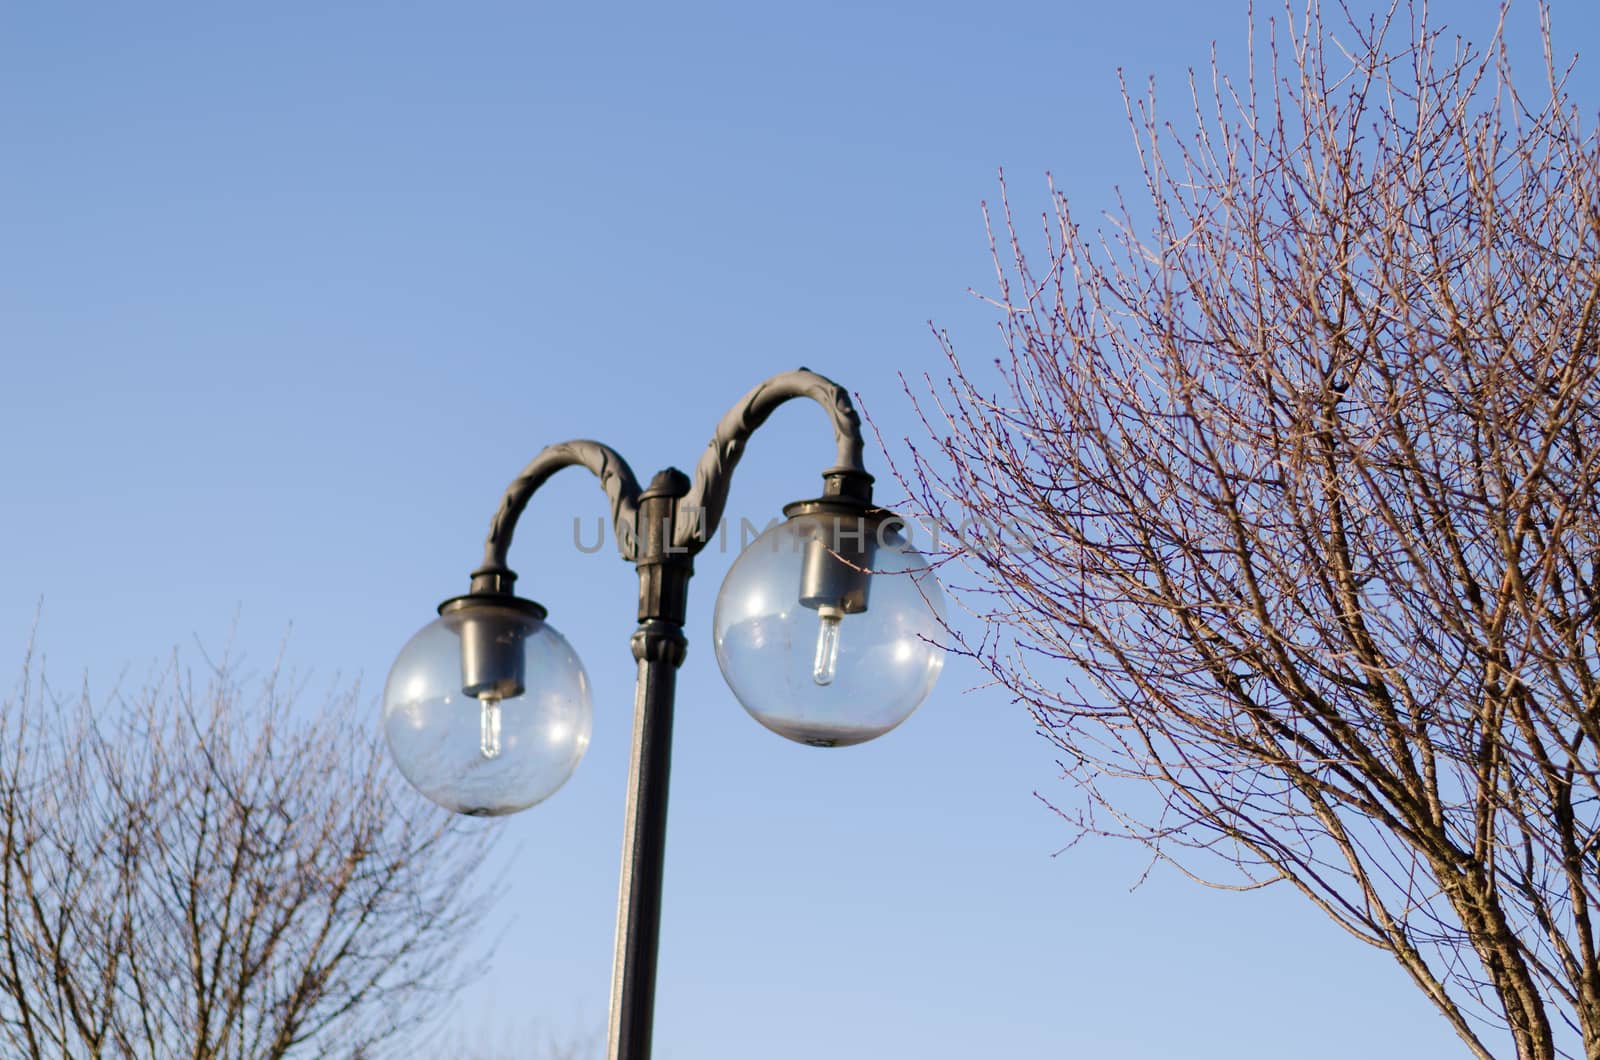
(487, 708)
(814, 646)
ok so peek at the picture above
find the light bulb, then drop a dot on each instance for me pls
(487, 708)
(489, 727)
(782, 611)
(826, 662)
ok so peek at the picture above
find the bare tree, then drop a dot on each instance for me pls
(1293, 464)
(214, 871)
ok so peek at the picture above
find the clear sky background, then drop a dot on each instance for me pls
(290, 291)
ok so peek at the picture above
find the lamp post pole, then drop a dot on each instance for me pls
(492, 647)
(658, 645)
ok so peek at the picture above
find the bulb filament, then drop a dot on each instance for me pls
(826, 663)
(489, 727)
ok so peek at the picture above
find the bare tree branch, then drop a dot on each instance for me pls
(214, 870)
(1296, 463)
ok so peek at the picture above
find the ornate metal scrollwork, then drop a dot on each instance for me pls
(702, 508)
(615, 476)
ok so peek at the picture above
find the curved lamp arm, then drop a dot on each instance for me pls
(615, 476)
(708, 496)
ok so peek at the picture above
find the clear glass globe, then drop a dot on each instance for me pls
(487, 709)
(826, 627)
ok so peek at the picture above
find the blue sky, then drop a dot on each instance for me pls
(289, 293)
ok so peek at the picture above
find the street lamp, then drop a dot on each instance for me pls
(825, 630)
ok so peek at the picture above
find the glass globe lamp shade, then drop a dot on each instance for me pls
(826, 627)
(487, 709)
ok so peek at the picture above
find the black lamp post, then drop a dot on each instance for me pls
(824, 629)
